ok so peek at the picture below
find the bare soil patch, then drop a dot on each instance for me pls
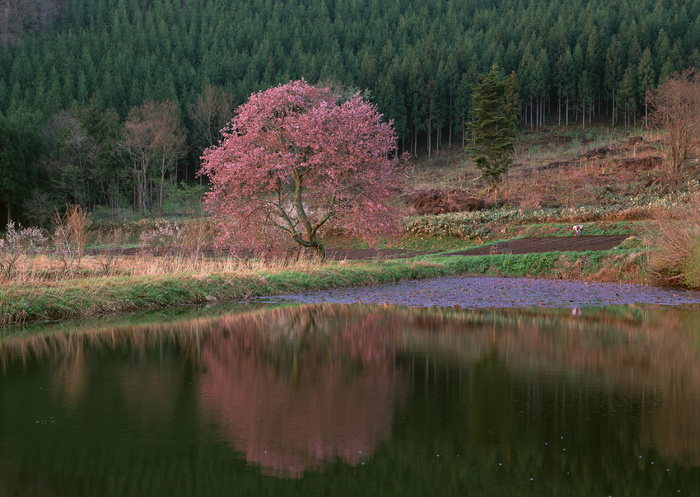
(554, 244)
(518, 246)
(439, 202)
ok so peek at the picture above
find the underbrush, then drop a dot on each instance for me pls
(475, 224)
(226, 280)
(675, 240)
(134, 231)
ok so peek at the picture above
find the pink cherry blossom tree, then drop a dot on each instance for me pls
(297, 160)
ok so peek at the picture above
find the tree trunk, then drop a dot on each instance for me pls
(449, 136)
(320, 251)
(646, 112)
(415, 139)
(430, 131)
(544, 111)
(559, 110)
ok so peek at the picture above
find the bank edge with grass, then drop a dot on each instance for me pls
(78, 299)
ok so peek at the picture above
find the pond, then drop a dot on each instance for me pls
(356, 399)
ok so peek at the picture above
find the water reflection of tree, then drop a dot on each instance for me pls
(491, 407)
(294, 394)
(650, 357)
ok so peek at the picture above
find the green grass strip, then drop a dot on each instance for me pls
(84, 298)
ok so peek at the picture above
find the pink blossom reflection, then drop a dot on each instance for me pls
(292, 403)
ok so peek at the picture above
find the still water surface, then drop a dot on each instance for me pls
(357, 400)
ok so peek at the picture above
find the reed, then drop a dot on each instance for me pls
(172, 281)
(675, 238)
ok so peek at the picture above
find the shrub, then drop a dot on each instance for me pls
(185, 239)
(470, 225)
(17, 243)
(675, 243)
(159, 239)
(111, 244)
(69, 236)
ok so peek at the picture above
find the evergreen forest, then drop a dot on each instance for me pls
(76, 75)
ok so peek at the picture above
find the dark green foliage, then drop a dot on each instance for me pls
(580, 60)
(493, 129)
(82, 166)
(19, 149)
(130, 51)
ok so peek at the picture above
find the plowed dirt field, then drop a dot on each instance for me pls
(519, 246)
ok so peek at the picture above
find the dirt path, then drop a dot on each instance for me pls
(519, 246)
(555, 244)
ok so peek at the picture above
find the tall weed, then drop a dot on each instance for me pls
(69, 236)
(111, 244)
(675, 241)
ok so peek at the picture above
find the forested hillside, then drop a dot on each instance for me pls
(575, 60)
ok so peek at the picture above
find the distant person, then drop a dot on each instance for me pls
(578, 228)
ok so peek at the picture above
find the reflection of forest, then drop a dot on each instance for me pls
(653, 356)
(294, 388)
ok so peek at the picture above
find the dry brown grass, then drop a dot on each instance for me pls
(551, 169)
(69, 236)
(48, 270)
(675, 237)
(166, 248)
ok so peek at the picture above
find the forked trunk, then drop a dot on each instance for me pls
(320, 251)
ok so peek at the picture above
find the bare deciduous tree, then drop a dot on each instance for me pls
(153, 140)
(210, 112)
(676, 109)
(72, 166)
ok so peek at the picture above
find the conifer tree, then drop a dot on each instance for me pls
(492, 132)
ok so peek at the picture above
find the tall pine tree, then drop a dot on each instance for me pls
(496, 111)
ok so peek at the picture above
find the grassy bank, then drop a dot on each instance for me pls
(22, 303)
(89, 297)
(628, 266)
